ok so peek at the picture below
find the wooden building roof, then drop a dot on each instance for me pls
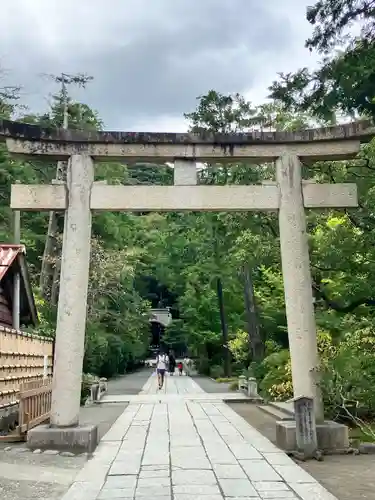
(13, 258)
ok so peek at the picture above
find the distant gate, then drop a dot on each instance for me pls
(162, 316)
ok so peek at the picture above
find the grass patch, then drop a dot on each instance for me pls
(233, 386)
(225, 380)
(356, 433)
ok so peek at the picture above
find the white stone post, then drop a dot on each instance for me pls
(252, 388)
(297, 282)
(71, 315)
(185, 173)
(241, 382)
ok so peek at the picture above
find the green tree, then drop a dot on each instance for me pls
(117, 334)
(344, 82)
(179, 257)
(219, 113)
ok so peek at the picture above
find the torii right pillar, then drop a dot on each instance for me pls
(297, 282)
(330, 436)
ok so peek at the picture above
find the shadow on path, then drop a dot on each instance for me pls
(104, 415)
(28, 476)
(348, 477)
(209, 385)
(130, 383)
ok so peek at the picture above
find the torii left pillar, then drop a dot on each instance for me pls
(64, 430)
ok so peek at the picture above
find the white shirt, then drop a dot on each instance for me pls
(161, 362)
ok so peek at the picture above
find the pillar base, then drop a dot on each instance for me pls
(75, 439)
(332, 437)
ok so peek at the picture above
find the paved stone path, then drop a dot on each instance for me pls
(172, 444)
(349, 477)
(28, 476)
(174, 388)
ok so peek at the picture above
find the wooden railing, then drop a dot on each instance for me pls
(34, 404)
(24, 357)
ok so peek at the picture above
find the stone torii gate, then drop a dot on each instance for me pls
(289, 195)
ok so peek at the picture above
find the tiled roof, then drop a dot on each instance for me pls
(8, 254)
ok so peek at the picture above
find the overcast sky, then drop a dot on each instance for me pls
(150, 59)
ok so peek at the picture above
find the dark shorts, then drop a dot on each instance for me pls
(161, 371)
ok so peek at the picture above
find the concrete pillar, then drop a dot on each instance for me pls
(252, 388)
(297, 282)
(72, 303)
(185, 172)
(241, 382)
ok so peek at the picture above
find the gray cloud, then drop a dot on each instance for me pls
(149, 58)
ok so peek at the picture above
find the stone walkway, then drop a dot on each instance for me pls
(346, 476)
(25, 475)
(175, 387)
(172, 444)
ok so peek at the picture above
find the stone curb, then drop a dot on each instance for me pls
(367, 448)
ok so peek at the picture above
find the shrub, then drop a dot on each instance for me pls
(203, 366)
(96, 349)
(239, 347)
(233, 386)
(237, 368)
(348, 375)
(216, 371)
(114, 360)
(277, 383)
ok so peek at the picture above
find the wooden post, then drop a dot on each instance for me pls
(16, 282)
(45, 367)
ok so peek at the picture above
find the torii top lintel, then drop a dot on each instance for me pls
(339, 142)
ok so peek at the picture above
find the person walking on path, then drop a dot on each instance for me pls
(161, 366)
(172, 362)
(186, 364)
(180, 367)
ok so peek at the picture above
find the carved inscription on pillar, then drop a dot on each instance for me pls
(305, 426)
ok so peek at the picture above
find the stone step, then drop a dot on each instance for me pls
(274, 412)
(286, 407)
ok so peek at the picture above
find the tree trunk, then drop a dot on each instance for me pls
(224, 328)
(256, 343)
(46, 272)
(51, 246)
(55, 287)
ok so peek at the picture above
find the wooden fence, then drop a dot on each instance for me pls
(35, 404)
(24, 358)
